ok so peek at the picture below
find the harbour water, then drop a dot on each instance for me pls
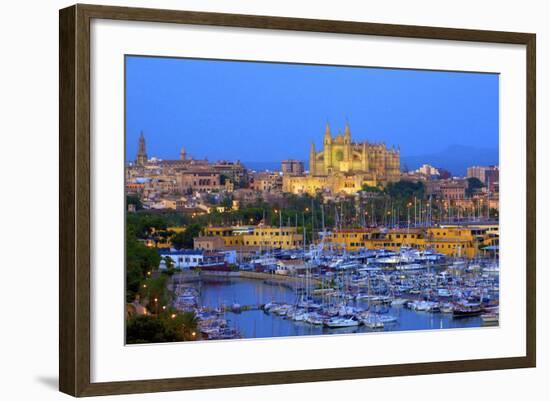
(255, 323)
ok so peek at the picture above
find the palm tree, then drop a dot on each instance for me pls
(190, 324)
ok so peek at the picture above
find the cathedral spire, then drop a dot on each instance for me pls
(328, 137)
(312, 155)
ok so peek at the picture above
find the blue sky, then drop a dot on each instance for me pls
(266, 112)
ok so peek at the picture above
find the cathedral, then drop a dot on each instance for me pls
(345, 166)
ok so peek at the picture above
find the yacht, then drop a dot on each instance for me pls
(345, 321)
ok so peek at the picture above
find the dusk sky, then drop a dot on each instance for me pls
(267, 112)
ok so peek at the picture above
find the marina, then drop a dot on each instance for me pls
(379, 291)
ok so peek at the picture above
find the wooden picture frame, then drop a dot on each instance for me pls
(74, 204)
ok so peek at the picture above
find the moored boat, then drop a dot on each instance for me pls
(337, 322)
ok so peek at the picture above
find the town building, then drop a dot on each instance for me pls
(427, 171)
(266, 182)
(446, 189)
(292, 167)
(485, 174)
(203, 180)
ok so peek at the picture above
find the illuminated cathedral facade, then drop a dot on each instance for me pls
(345, 166)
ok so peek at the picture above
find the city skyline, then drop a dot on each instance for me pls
(202, 104)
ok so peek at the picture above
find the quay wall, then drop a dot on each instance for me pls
(276, 277)
(193, 276)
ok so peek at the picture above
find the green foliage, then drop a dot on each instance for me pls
(134, 200)
(405, 190)
(189, 323)
(139, 261)
(369, 188)
(224, 178)
(473, 185)
(184, 239)
(148, 329)
(142, 225)
(169, 263)
(154, 291)
(227, 202)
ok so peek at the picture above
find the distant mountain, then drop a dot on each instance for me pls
(456, 159)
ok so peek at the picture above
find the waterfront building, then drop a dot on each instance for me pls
(265, 237)
(464, 241)
(231, 236)
(208, 243)
(183, 258)
(274, 237)
(345, 166)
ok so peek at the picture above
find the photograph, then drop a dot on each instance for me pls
(269, 199)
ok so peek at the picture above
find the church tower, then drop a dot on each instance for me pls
(142, 153)
(183, 155)
(347, 144)
(312, 164)
(327, 150)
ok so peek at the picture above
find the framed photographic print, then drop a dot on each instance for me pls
(250, 200)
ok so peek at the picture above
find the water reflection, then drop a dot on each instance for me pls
(257, 324)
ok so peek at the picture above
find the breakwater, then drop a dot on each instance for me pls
(194, 276)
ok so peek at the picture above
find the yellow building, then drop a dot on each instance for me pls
(232, 236)
(274, 237)
(345, 166)
(454, 241)
(257, 236)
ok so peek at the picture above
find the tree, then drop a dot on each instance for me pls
(148, 329)
(474, 184)
(405, 190)
(189, 322)
(227, 202)
(184, 239)
(139, 261)
(134, 200)
(369, 188)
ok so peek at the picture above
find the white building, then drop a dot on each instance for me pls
(182, 259)
(427, 170)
